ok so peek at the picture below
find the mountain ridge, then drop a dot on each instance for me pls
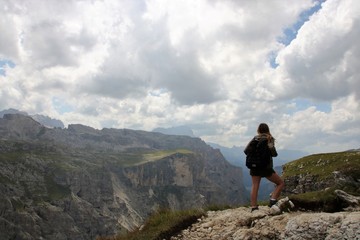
(44, 120)
(80, 182)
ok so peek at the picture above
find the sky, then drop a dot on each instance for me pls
(220, 67)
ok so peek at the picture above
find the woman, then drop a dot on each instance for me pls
(268, 172)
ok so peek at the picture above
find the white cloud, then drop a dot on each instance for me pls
(322, 62)
(8, 39)
(206, 64)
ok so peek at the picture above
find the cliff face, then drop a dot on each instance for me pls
(79, 182)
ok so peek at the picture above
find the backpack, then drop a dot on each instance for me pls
(259, 155)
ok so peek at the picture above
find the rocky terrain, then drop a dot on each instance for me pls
(80, 182)
(267, 223)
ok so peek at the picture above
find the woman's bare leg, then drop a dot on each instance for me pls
(254, 190)
(279, 185)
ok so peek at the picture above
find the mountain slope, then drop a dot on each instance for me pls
(319, 171)
(80, 182)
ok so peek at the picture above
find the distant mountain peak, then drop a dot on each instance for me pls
(43, 120)
(11, 111)
(179, 130)
(47, 121)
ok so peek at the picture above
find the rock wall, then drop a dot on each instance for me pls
(306, 183)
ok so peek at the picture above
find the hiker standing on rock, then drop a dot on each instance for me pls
(259, 153)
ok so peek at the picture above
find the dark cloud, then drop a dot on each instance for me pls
(52, 45)
(116, 85)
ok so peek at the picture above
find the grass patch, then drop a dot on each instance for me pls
(17, 204)
(129, 159)
(11, 157)
(325, 195)
(162, 225)
(317, 201)
(122, 159)
(5, 180)
(55, 190)
(323, 165)
(153, 156)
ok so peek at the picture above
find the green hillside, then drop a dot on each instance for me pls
(324, 165)
(315, 178)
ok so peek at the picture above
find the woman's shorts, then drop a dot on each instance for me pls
(266, 172)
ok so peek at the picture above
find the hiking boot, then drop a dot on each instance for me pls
(272, 202)
(254, 208)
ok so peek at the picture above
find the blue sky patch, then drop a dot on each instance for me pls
(3, 64)
(61, 106)
(302, 104)
(291, 32)
(272, 58)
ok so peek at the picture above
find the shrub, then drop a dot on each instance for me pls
(162, 225)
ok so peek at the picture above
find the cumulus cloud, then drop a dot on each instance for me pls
(51, 45)
(322, 62)
(8, 40)
(219, 67)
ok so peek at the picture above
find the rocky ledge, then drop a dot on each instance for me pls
(274, 223)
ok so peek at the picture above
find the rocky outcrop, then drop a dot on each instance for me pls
(320, 171)
(242, 224)
(350, 200)
(305, 183)
(80, 182)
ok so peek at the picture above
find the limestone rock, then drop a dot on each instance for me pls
(349, 199)
(283, 205)
(340, 225)
(241, 224)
